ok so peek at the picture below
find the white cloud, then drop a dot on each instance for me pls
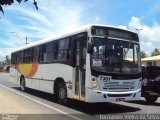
(51, 18)
(4, 52)
(135, 23)
(149, 35)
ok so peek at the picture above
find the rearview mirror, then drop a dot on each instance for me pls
(90, 48)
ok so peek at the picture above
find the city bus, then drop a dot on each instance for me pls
(95, 63)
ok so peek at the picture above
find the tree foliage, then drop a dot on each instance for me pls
(10, 2)
(143, 54)
(7, 60)
(155, 52)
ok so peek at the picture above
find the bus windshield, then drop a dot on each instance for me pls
(115, 56)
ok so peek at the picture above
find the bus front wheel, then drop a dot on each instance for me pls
(23, 84)
(62, 93)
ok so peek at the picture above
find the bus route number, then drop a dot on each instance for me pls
(105, 78)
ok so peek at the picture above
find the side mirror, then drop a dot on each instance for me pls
(90, 48)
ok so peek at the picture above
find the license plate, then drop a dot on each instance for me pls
(120, 99)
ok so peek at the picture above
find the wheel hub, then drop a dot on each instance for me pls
(62, 93)
(22, 85)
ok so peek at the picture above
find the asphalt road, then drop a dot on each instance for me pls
(39, 105)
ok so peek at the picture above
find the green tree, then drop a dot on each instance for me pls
(143, 54)
(10, 2)
(2, 63)
(155, 52)
(7, 60)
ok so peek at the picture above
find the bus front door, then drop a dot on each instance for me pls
(80, 62)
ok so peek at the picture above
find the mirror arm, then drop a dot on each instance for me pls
(90, 45)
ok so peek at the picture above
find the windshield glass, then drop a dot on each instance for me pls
(115, 56)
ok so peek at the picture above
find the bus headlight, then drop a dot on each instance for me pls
(94, 84)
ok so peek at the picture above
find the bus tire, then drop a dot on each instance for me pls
(22, 84)
(151, 99)
(61, 93)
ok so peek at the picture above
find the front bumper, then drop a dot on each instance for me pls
(104, 96)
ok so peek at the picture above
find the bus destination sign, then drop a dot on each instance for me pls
(115, 33)
(119, 34)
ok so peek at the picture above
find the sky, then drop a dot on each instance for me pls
(57, 16)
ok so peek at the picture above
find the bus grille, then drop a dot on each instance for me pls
(117, 86)
(119, 95)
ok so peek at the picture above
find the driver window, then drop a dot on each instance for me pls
(129, 55)
(101, 52)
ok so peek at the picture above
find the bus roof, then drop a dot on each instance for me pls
(73, 32)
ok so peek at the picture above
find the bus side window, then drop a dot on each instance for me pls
(69, 50)
(21, 57)
(49, 52)
(42, 53)
(32, 51)
(35, 54)
(84, 52)
(64, 51)
(13, 60)
(56, 46)
(24, 56)
(29, 55)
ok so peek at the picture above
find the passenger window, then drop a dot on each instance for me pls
(42, 54)
(49, 52)
(64, 51)
(56, 46)
(35, 54)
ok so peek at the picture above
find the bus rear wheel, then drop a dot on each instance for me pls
(151, 99)
(22, 84)
(62, 93)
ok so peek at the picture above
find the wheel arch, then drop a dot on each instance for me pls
(56, 82)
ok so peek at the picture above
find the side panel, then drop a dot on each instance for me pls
(48, 73)
(33, 83)
(14, 74)
(46, 86)
(45, 75)
(13, 68)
